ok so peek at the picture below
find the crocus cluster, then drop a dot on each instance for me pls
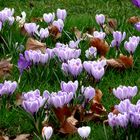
(100, 35)
(88, 92)
(32, 101)
(59, 99)
(123, 92)
(73, 67)
(129, 113)
(132, 44)
(91, 53)
(65, 53)
(95, 68)
(8, 87)
(118, 38)
(6, 15)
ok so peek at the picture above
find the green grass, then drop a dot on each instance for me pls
(81, 14)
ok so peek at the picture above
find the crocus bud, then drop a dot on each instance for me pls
(47, 132)
(44, 33)
(91, 52)
(84, 131)
(59, 24)
(61, 14)
(49, 17)
(137, 26)
(100, 19)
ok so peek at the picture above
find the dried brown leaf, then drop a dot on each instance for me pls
(18, 99)
(5, 67)
(54, 32)
(101, 45)
(67, 128)
(77, 33)
(22, 137)
(37, 19)
(33, 44)
(2, 138)
(112, 23)
(72, 120)
(123, 62)
(133, 20)
(98, 96)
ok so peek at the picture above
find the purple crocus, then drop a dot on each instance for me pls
(89, 92)
(100, 35)
(59, 24)
(137, 26)
(118, 38)
(8, 87)
(49, 18)
(91, 53)
(74, 44)
(58, 100)
(69, 87)
(132, 44)
(118, 120)
(32, 101)
(123, 92)
(65, 53)
(43, 33)
(73, 67)
(31, 28)
(23, 63)
(136, 3)
(100, 19)
(61, 14)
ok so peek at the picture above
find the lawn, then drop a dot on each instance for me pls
(80, 14)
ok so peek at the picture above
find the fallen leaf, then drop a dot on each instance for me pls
(22, 137)
(37, 19)
(54, 32)
(72, 120)
(77, 33)
(133, 20)
(33, 44)
(98, 96)
(101, 45)
(2, 138)
(67, 128)
(18, 99)
(123, 62)
(112, 23)
(5, 67)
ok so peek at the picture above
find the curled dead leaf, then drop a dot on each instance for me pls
(77, 33)
(72, 120)
(98, 96)
(33, 44)
(54, 32)
(101, 45)
(22, 137)
(133, 20)
(112, 23)
(18, 99)
(5, 67)
(123, 62)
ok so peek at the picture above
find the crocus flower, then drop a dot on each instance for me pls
(49, 18)
(118, 120)
(32, 101)
(100, 35)
(89, 92)
(69, 87)
(5, 14)
(132, 44)
(73, 67)
(118, 38)
(8, 87)
(66, 53)
(91, 53)
(123, 92)
(23, 63)
(84, 131)
(74, 44)
(137, 26)
(100, 19)
(58, 100)
(31, 28)
(43, 33)
(47, 132)
(59, 24)
(61, 14)
(136, 3)
(11, 20)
